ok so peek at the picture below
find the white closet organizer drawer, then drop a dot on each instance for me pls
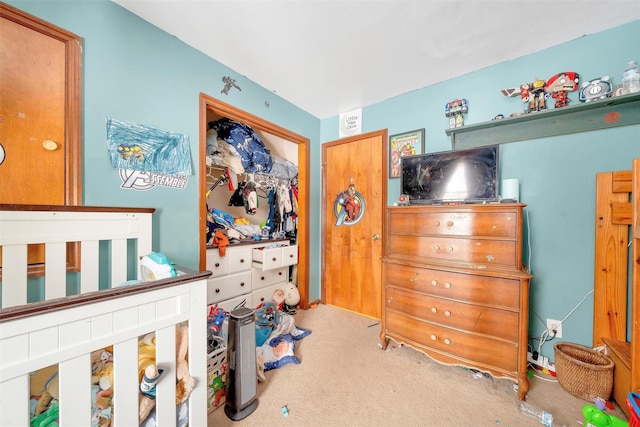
(266, 294)
(261, 279)
(222, 288)
(217, 265)
(268, 259)
(235, 260)
(239, 259)
(245, 300)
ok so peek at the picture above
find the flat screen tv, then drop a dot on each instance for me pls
(466, 176)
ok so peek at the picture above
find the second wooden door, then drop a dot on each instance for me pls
(354, 198)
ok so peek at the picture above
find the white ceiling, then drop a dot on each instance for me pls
(329, 56)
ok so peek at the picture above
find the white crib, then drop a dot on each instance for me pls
(64, 329)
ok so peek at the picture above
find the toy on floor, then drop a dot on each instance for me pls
(594, 417)
(291, 298)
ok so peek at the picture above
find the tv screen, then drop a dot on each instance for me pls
(469, 176)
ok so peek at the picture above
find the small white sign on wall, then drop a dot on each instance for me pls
(350, 123)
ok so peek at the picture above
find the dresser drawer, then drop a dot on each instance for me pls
(229, 305)
(469, 348)
(261, 278)
(482, 290)
(271, 258)
(447, 223)
(222, 288)
(478, 253)
(217, 265)
(235, 260)
(469, 317)
(265, 294)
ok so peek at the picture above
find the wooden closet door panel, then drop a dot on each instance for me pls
(32, 105)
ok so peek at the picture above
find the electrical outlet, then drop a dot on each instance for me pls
(554, 325)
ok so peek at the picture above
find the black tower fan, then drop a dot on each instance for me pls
(242, 380)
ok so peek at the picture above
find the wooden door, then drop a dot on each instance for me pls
(40, 118)
(354, 192)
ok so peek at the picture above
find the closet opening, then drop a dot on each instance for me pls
(218, 183)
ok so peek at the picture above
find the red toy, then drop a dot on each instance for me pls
(560, 84)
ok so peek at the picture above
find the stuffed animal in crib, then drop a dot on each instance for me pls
(186, 382)
(43, 384)
(146, 360)
(101, 388)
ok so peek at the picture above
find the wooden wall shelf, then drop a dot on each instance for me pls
(607, 113)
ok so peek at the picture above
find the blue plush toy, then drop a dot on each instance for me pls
(267, 318)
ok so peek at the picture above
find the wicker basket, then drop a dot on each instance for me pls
(583, 372)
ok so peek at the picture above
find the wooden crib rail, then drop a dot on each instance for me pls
(67, 337)
(57, 227)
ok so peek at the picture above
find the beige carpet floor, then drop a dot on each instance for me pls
(346, 379)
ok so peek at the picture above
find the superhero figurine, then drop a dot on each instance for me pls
(454, 110)
(560, 84)
(532, 93)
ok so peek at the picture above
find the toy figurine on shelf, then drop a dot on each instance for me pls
(595, 89)
(561, 83)
(532, 93)
(454, 110)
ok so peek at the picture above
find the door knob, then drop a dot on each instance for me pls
(376, 237)
(49, 145)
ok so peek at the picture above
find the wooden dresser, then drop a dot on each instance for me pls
(455, 287)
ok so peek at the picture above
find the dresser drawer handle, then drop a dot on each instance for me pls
(262, 299)
(434, 282)
(434, 337)
(217, 290)
(217, 264)
(241, 284)
(434, 310)
(450, 223)
(262, 278)
(437, 247)
(450, 248)
(274, 258)
(241, 260)
(389, 300)
(437, 223)
(447, 313)
(280, 273)
(447, 341)
(447, 285)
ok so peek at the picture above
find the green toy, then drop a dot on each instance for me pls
(594, 417)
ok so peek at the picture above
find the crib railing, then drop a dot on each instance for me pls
(57, 226)
(64, 329)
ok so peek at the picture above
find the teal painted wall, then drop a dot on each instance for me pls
(135, 72)
(557, 174)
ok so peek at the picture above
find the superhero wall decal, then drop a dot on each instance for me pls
(349, 206)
